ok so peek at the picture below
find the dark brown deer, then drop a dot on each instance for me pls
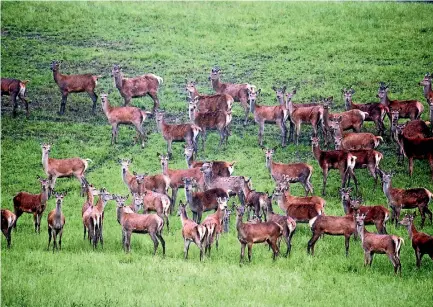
(426, 83)
(7, 223)
(74, 84)
(56, 222)
(213, 223)
(140, 86)
(15, 88)
(379, 244)
(207, 103)
(422, 243)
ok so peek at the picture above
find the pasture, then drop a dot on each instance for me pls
(319, 48)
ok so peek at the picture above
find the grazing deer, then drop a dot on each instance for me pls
(56, 222)
(140, 86)
(96, 218)
(405, 198)
(74, 84)
(124, 115)
(239, 92)
(32, 203)
(213, 224)
(59, 168)
(422, 243)
(379, 244)
(15, 88)
(208, 103)
(191, 232)
(300, 172)
(7, 223)
(426, 83)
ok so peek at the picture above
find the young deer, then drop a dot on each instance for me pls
(74, 84)
(96, 218)
(87, 208)
(56, 222)
(207, 103)
(426, 83)
(378, 244)
(219, 168)
(124, 115)
(15, 88)
(422, 243)
(32, 203)
(213, 224)
(140, 86)
(191, 232)
(7, 223)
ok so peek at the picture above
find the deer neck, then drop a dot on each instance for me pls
(207, 179)
(253, 106)
(346, 207)
(361, 231)
(188, 196)
(427, 89)
(269, 164)
(386, 189)
(106, 107)
(289, 106)
(385, 100)
(101, 204)
(348, 104)
(90, 197)
(280, 201)
(58, 211)
(189, 160)
(165, 169)
(118, 80)
(126, 176)
(119, 213)
(191, 113)
(56, 75)
(193, 94)
(326, 117)
(44, 195)
(239, 223)
(316, 151)
(45, 161)
(216, 84)
(431, 116)
(281, 101)
(183, 217)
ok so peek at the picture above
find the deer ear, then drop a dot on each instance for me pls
(132, 159)
(134, 173)
(274, 88)
(284, 88)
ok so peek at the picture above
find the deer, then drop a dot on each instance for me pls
(59, 168)
(96, 218)
(422, 243)
(379, 244)
(355, 141)
(200, 202)
(239, 92)
(375, 111)
(124, 115)
(15, 88)
(7, 223)
(56, 222)
(268, 114)
(301, 172)
(177, 133)
(256, 201)
(426, 83)
(74, 84)
(405, 198)
(213, 224)
(226, 220)
(207, 103)
(250, 233)
(32, 203)
(139, 223)
(139, 86)
(91, 192)
(374, 215)
(334, 159)
(191, 231)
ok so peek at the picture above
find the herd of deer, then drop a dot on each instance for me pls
(208, 185)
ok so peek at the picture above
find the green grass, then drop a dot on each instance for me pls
(317, 47)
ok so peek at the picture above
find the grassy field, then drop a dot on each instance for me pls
(319, 48)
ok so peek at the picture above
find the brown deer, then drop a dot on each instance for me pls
(255, 201)
(213, 224)
(56, 222)
(177, 133)
(207, 103)
(301, 172)
(59, 168)
(239, 92)
(15, 88)
(250, 233)
(96, 218)
(426, 83)
(379, 244)
(422, 243)
(405, 198)
(191, 232)
(74, 84)
(32, 203)
(7, 223)
(140, 86)
(124, 115)
(356, 141)
(91, 192)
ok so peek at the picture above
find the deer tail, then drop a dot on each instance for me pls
(398, 241)
(312, 221)
(86, 163)
(429, 194)
(160, 80)
(22, 88)
(201, 232)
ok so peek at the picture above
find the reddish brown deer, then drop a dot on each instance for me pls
(422, 243)
(140, 86)
(357, 141)
(426, 83)
(207, 103)
(74, 84)
(255, 201)
(301, 172)
(239, 92)
(7, 223)
(15, 88)
(56, 222)
(96, 218)
(32, 203)
(213, 224)
(379, 244)
(124, 116)
(91, 192)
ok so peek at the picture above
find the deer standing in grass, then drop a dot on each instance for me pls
(207, 103)
(219, 168)
(91, 192)
(7, 223)
(96, 218)
(15, 88)
(56, 222)
(214, 223)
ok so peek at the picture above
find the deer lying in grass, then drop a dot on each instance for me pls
(208, 103)
(191, 232)
(426, 83)
(32, 203)
(59, 168)
(139, 223)
(56, 222)
(15, 88)
(96, 218)
(74, 84)
(213, 224)
(140, 86)
(379, 244)
(7, 223)
(177, 133)
(124, 115)
(300, 172)
(249, 233)
(405, 198)
(239, 92)
(219, 168)
(422, 243)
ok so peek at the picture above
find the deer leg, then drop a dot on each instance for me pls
(325, 177)
(429, 213)
(410, 166)
(186, 244)
(52, 179)
(155, 242)
(422, 213)
(282, 127)
(287, 239)
(60, 238)
(346, 244)
(141, 134)
(397, 215)
(54, 240)
(203, 137)
(173, 198)
(14, 104)
(49, 238)
(63, 103)
(128, 241)
(291, 131)
(311, 243)
(154, 96)
(371, 258)
(35, 221)
(261, 130)
(250, 251)
(380, 227)
(94, 98)
(297, 133)
(418, 257)
(242, 251)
